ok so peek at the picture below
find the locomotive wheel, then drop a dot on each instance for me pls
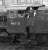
(3, 32)
(42, 39)
(31, 42)
(16, 38)
(19, 39)
(12, 36)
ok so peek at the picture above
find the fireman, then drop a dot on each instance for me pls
(32, 10)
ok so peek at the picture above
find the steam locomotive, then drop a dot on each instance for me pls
(22, 24)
